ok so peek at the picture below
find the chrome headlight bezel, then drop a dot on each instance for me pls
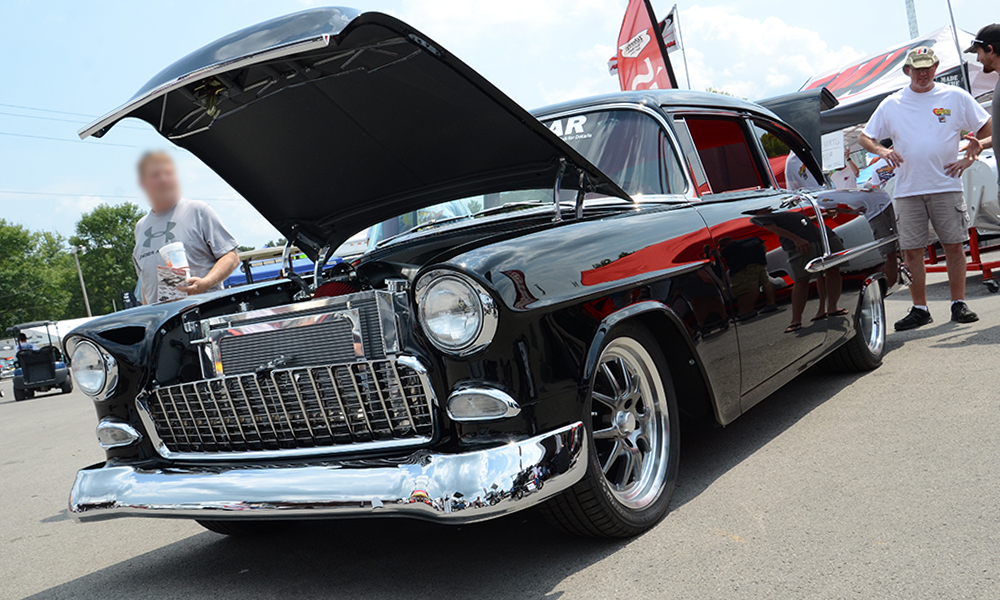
(488, 314)
(107, 363)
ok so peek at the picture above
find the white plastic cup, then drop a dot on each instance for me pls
(173, 254)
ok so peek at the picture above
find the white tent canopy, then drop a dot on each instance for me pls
(862, 84)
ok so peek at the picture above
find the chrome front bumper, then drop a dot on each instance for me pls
(456, 488)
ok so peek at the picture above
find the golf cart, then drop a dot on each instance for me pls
(41, 369)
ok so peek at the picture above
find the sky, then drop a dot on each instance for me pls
(65, 62)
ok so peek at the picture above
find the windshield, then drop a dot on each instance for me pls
(457, 210)
(629, 146)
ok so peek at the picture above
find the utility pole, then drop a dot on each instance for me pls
(76, 256)
(911, 17)
(958, 48)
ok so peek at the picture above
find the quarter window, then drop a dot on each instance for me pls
(789, 169)
(726, 156)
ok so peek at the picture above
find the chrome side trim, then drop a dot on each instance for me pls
(452, 488)
(817, 265)
(513, 408)
(275, 52)
(820, 221)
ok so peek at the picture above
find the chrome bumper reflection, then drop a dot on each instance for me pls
(458, 488)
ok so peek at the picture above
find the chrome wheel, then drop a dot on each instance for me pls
(631, 423)
(872, 318)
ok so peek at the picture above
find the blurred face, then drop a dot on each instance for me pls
(159, 180)
(922, 80)
(989, 60)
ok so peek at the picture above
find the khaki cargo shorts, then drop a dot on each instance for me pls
(946, 211)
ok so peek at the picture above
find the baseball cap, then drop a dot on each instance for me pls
(987, 36)
(921, 58)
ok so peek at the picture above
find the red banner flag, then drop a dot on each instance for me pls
(642, 57)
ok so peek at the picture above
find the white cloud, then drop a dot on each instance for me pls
(751, 57)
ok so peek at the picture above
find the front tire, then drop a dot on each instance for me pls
(864, 351)
(634, 442)
(244, 528)
(67, 387)
(18, 395)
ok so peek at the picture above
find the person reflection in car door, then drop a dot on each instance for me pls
(802, 241)
(748, 277)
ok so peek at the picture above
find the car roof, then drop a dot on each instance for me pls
(669, 99)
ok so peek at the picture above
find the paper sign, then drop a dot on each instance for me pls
(167, 281)
(833, 151)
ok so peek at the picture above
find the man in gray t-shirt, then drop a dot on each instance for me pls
(208, 245)
(986, 47)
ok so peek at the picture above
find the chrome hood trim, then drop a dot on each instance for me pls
(454, 488)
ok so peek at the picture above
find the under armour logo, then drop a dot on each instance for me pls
(165, 234)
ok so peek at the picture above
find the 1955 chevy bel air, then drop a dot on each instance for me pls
(544, 297)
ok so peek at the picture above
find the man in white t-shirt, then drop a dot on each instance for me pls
(797, 176)
(925, 121)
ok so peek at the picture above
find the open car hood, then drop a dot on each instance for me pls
(328, 121)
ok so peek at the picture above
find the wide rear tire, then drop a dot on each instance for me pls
(864, 351)
(634, 442)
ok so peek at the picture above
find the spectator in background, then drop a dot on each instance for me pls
(883, 172)
(797, 176)
(24, 344)
(986, 47)
(208, 245)
(846, 177)
(925, 121)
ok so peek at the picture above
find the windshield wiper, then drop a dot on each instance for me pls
(509, 206)
(423, 226)
(444, 220)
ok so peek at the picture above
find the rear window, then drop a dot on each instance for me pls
(627, 145)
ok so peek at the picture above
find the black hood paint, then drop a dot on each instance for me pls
(328, 121)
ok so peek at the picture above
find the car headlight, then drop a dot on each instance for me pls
(94, 371)
(456, 313)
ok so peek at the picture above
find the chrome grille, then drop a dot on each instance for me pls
(349, 406)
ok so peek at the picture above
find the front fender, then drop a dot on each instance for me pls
(686, 356)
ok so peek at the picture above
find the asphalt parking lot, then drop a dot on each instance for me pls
(875, 486)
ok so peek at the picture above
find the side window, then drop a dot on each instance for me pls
(727, 157)
(629, 146)
(789, 169)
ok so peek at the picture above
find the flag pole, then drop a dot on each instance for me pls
(659, 42)
(958, 48)
(684, 50)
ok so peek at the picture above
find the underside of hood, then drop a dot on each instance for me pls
(328, 121)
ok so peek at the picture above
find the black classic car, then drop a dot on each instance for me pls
(546, 297)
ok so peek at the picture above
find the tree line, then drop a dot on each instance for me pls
(38, 276)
